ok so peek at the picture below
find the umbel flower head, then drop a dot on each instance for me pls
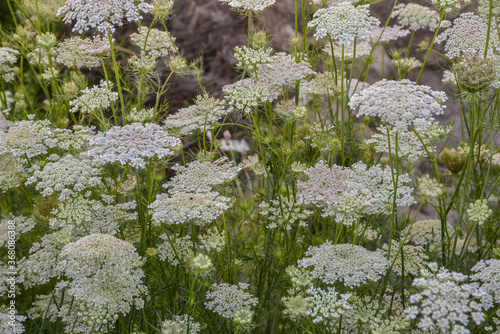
(446, 302)
(248, 5)
(102, 15)
(103, 272)
(351, 264)
(399, 103)
(132, 144)
(8, 57)
(416, 16)
(226, 299)
(343, 22)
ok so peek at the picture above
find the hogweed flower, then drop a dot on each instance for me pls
(416, 16)
(159, 43)
(213, 241)
(475, 73)
(408, 145)
(350, 264)
(249, 5)
(284, 213)
(479, 211)
(8, 58)
(326, 306)
(487, 273)
(175, 250)
(195, 208)
(133, 144)
(103, 15)
(343, 22)
(95, 99)
(430, 188)
(467, 36)
(104, 272)
(246, 95)
(446, 302)
(399, 103)
(226, 299)
(180, 325)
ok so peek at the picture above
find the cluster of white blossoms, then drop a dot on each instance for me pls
(248, 58)
(181, 324)
(103, 272)
(69, 175)
(200, 177)
(26, 138)
(284, 212)
(376, 186)
(425, 232)
(226, 299)
(8, 58)
(246, 95)
(176, 250)
(282, 72)
(414, 258)
(141, 116)
(479, 211)
(154, 42)
(449, 5)
(430, 188)
(416, 16)
(249, 5)
(103, 15)
(352, 265)
(343, 22)
(324, 185)
(200, 116)
(133, 144)
(213, 240)
(78, 52)
(350, 52)
(467, 36)
(323, 84)
(196, 208)
(11, 323)
(326, 306)
(399, 103)
(446, 302)
(408, 145)
(487, 273)
(94, 99)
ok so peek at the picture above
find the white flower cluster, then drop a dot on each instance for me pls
(446, 302)
(249, 5)
(225, 299)
(246, 95)
(103, 272)
(8, 58)
(154, 42)
(213, 240)
(103, 15)
(175, 250)
(399, 103)
(95, 99)
(324, 185)
(40, 266)
(282, 72)
(467, 36)
(284, 212)
(449, 5)
(425, 232)
(487, 273)
(323, 84)
(343, 22)
(141, 116)
(10, 172)
(416, 16)
(408, 145)
(430, 188)
(248, 58)
(352, 265)
(326, 307)
(21, 225)
(376, 186)
(26, 138)
(181, 324)
(78, 52)
(414, 258)
(352, 51)
(200, 177)
(479, 211)
(200, 116)
(196, 208)
(11, 323)
(132, 144)
(69, 176)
